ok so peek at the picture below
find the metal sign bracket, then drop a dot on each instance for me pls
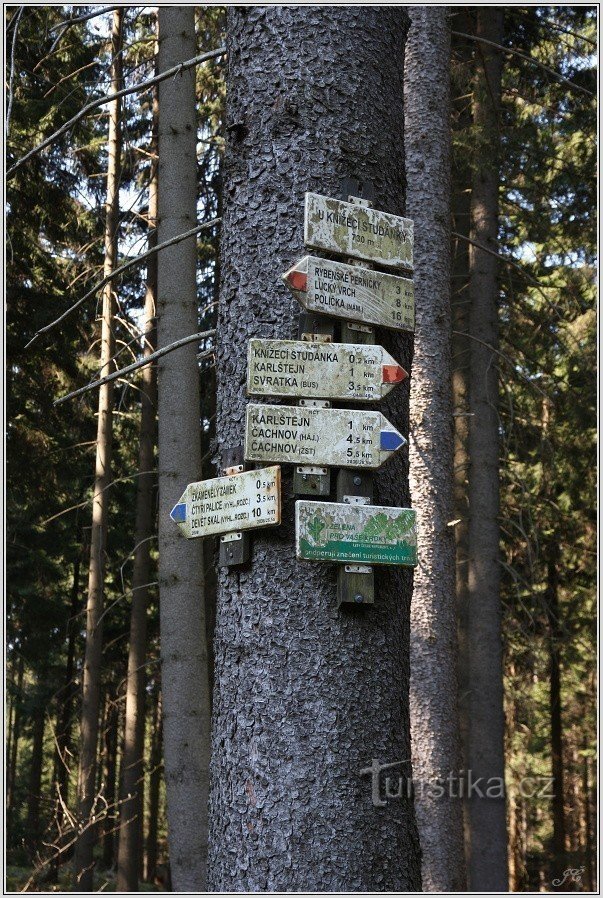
(235, 548)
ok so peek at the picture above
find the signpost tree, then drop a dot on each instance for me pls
(309, 692)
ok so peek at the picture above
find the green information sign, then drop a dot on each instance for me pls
(362, 534)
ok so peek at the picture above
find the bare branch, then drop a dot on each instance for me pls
(505, 358)
(129, 264)
(11, 79)
(90, 15)
(498, 255)
(102, 101)
(510, 52)
(141, 364)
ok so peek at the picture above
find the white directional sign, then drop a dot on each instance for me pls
(358, 231)
(345, 438)
(357, 294)
(227, 504)
(364, 373)
(365, 534)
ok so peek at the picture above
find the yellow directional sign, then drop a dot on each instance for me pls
(362, 372)
(356, 294)
(227, 504)
(307, 435)
(358, 231)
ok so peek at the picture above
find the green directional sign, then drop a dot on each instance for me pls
(349, 229)
(362, 534)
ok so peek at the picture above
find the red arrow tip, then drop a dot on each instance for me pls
(297, 280)
(393, 374)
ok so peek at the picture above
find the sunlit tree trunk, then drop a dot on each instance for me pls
(83, 858)
(433, 647)
(184, 675)
(132, 781)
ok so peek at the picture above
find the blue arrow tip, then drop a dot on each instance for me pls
(178, 513)
(391, 440)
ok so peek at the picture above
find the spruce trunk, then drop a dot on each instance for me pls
(155, 774)
(83, 860)
(558, 861)
(184, 677)
(306, 695)
(433, 645)
(111, 742)
(35, 772)
(132, 781)
(11, 776)
(487, 815)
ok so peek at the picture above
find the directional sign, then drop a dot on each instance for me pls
(226, 504)
(365, 534)
(358, 231)
(357, 294)
(321, 370)
(319, 436)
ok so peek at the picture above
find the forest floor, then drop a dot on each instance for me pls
(18, 879)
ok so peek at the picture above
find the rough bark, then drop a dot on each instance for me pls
(182, 617)
(131, 808)
(433, 645)
(485, 756)
(83, 860)
(306, 695)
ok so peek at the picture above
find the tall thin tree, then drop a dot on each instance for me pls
(433, 646)
(184, 676)
(132, 781)
(306, 696)
(485, 754)
(91, 678)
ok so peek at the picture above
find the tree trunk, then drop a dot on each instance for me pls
(11, 774)
(111, 743)
(433, 646)
(64, 725)
(83, 860)
(156, 770)
(554, 626)
(35, 773)
(461, 201)
(306, 695)
(487, 816)
(183, 643)
(589, 854)
(131, 809)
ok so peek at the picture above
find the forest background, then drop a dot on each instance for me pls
(541, 144)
